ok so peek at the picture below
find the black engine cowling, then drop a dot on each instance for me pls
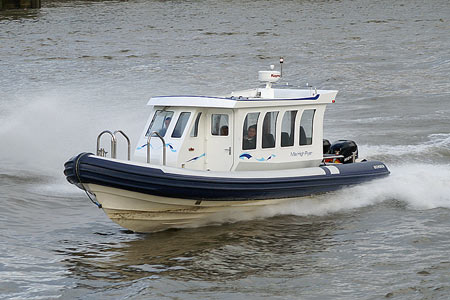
(346, 148)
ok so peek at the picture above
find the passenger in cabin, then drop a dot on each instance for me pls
(224, 130)
(166, 124)
(250, 139)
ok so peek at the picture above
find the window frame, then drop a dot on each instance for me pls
(195, 127)
(218, 133)
(273, 131)
(184, 126)
(293, 125)
(300, 127)
(155, 115)
(245, 130)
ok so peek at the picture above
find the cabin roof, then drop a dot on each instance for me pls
(247, 98)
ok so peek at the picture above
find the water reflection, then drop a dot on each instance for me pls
(230, 251)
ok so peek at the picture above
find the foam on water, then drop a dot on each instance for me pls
(436, 148)
(40, 135)
(418, 186)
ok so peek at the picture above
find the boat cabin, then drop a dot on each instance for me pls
(268, 128)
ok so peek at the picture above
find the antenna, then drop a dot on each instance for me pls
(281, 66)
(269, 76)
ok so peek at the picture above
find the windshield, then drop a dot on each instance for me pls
(160, 122)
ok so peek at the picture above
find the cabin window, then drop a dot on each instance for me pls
(269, 129)
(288, 128)
(194, 131)
(219, 124)
(181, 124)
(306, 127)
(250, 129)
(160, 122)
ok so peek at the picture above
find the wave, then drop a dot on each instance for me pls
(417, 186)
(435, 150)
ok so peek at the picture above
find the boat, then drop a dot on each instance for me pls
(199, 156)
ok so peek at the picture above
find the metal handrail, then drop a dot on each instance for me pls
(113, 144)
(148, 146)
(128, 141)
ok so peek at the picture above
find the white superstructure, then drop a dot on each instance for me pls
(210, 133)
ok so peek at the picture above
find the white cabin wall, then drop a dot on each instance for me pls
(192, 152)
(218, 147)
(290, 93)
(317, 143)
(140, 150)
(295, 156)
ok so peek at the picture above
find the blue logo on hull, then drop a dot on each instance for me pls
(249, 156)
(197, 157)
(169, 145)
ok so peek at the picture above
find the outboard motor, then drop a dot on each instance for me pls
(326, 146)
(346, 148)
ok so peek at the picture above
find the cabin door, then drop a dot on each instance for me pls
(219, 143)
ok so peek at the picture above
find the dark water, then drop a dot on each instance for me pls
(75, 68)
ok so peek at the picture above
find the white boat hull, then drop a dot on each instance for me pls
(148, 213)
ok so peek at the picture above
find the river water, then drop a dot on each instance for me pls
(74, 68)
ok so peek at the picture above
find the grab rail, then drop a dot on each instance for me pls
(148, 146)
(128, 141)
(102, 152)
